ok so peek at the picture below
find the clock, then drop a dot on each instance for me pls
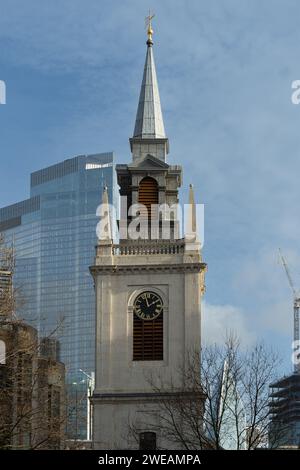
(148, 306)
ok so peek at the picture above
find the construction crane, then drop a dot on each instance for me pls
(296, 307)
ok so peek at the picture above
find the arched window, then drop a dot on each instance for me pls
(148, 195)
(148, 337)
(147, 441)
(2, 352)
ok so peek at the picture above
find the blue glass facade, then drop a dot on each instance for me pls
(54, 235)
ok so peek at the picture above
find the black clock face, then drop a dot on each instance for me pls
(148, 306)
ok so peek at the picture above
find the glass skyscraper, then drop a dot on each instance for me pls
(54, 234)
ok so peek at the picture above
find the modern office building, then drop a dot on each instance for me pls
(284, 429)
(54, 235)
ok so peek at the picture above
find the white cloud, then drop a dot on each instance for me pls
(279, 318)
(219, 320)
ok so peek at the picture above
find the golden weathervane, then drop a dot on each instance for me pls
(148, 21)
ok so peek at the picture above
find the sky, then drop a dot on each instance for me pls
(73, 71)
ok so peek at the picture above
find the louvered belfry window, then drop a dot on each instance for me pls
(148, 339)
(148, 195)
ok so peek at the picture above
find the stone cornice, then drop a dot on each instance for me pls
(148, 268)
(151, 141)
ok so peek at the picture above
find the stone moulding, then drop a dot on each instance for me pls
(146, 268)
(151, 396)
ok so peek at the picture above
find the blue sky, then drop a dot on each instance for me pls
(225, 67)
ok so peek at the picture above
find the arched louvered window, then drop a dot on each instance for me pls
(148, 195)
(148, 322)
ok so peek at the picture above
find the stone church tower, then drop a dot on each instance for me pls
(148, 290)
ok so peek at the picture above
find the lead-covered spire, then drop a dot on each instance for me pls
(149, 121)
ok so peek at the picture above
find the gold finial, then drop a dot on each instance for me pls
(148, 21)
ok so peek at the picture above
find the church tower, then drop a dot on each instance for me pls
(148, 284)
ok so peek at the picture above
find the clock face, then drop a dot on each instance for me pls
(148, 306)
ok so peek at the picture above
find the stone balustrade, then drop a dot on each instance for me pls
(159, 248)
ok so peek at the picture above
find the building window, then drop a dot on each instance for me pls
(94, 166)
(148, 320)
(2, 352)
(148, 195)
(147, 441)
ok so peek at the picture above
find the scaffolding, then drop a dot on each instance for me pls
(284, 404)
(285, 412)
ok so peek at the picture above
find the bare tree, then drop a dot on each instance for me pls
(12, 296)
(32, 397)
(223, 401)
(7, 297)
(236, 383)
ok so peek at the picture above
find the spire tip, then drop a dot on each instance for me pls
(148, 20)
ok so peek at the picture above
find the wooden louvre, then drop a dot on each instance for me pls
(148, 195)
(148, 339)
